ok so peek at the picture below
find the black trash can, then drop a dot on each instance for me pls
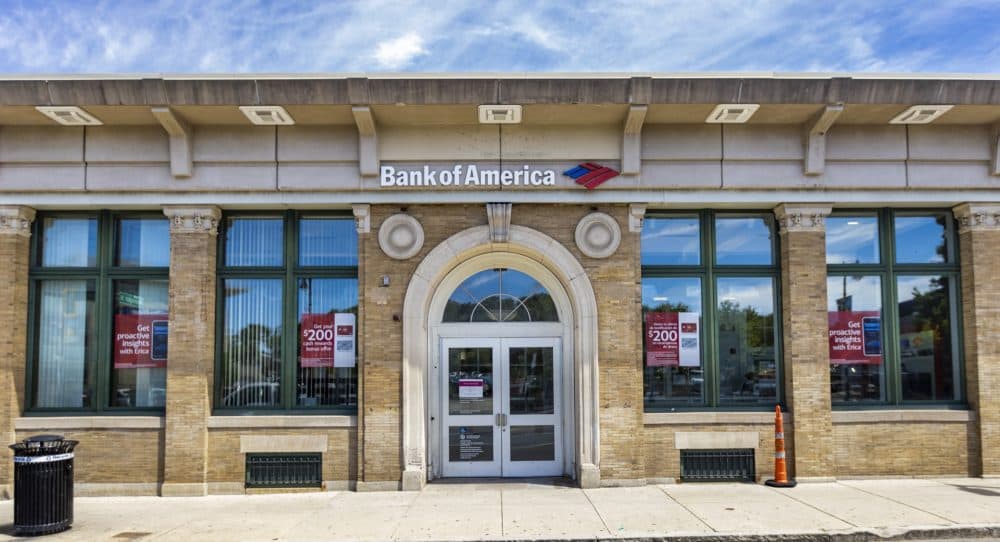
(43, 484)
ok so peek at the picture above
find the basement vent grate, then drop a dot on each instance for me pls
(284, 470)
(723, 465)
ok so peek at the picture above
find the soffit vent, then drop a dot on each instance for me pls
(267, 115)
(921, 114)
(732, 113)
(69, 115)
(500, 114)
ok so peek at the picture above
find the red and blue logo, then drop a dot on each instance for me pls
(590, 175)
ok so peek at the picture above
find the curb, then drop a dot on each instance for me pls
(861, 535)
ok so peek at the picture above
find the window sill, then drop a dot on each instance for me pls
(40, 423)
(903, 416)
(281, 422)
(711, 418)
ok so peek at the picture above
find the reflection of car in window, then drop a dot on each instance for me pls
(252, 394)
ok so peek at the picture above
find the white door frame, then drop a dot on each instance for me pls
(577, 304)
(501, 463)
(563, 329)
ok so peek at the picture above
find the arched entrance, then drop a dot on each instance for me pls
(562, 433)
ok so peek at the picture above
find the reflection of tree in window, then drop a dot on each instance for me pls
(500, 295)
(746, 351)
(925, 349)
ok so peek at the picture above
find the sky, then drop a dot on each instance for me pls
(375, 36)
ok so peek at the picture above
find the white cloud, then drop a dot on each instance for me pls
(399, 52)
(514, 35)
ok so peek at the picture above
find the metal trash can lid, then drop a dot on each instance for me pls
(45, 438)
(40, 445)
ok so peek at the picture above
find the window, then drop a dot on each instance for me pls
(99, 319)
(287, 329)
(709, 310)
(500, 295)
(908, 354)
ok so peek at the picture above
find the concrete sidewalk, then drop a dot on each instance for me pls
(846, 510)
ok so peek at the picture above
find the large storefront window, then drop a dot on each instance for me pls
(908, 354)
(709, 311)
(288, 308)
(99, 312)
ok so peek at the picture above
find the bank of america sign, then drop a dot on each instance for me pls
(590, 175)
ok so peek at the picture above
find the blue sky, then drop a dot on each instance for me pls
(206, 36)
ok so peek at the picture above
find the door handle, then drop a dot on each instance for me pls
(503, 420)
(497, 419)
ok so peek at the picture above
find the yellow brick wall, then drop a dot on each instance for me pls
(110, 456)
(804, 351)
(663, 460)
(13, 339)
(227, 465)
(616, 284)
(904, 449)
(980, 257)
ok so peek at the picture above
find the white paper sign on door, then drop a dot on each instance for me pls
(470, 388)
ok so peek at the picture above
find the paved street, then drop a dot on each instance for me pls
(864, 509)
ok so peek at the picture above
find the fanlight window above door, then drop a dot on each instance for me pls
(500, 295)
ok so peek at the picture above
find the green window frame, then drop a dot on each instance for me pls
(103, 275)
(709, 272)
(291, 276)
(889, 271)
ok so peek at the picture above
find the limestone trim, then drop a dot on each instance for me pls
(193, 219)
(977, 217)
(438, 263)
(250, 444)
(903, 416)
(401, 236)
(636, 217)
(707, 440)
(362, 217)
(712, 418)
(598, 235)
(16, 220)
(281, 422)
(40, 423)
(498, 215)
(801, 218)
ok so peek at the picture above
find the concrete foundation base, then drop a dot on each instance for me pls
(378, 486)
(414, 480)
(183, 490)
(590, 476)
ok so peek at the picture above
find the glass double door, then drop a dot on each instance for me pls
(502, 411)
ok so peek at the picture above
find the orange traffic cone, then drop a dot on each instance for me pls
(780, 470)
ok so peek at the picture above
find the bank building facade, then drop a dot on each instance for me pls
(232, 283)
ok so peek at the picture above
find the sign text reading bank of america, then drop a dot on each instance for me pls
(462, 175)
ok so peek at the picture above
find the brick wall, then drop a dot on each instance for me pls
(227, 465)
(663, 460)
(904, 449)
(616, 284)
(114, 456)
(804, 339)
(14, 253)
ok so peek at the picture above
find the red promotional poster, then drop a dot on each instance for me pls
(672, 339)
(316, 346)
(855, 337)
(327, 340)
(140, 341)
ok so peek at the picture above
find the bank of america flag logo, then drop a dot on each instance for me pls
(590, 175)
